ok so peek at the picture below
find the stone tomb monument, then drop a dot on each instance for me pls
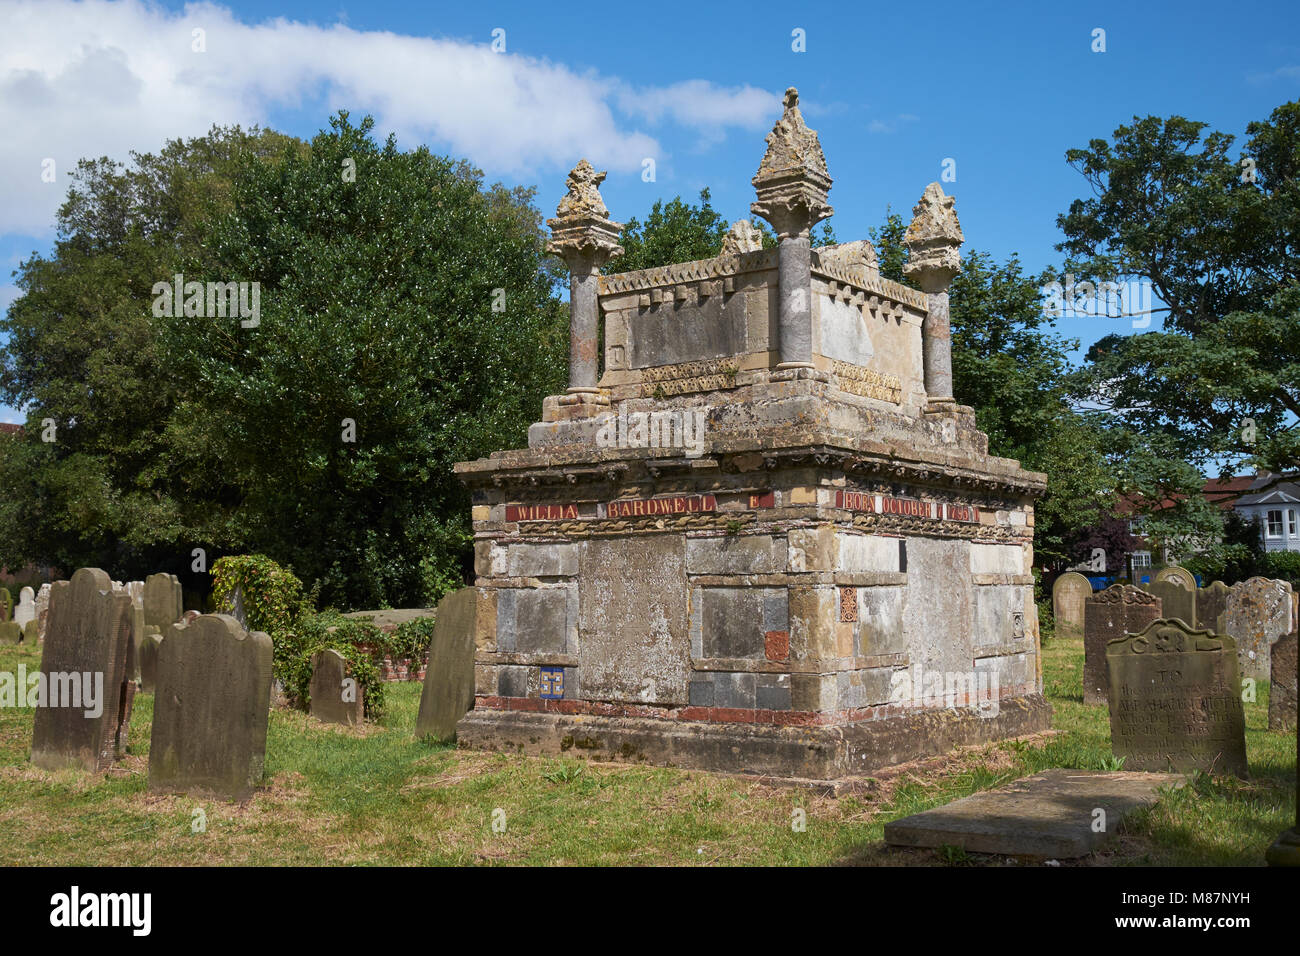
(333, 699)
(1257, 613)
(1120, 609)
(761, 535)
(85, 707)
(211, 709)
(1070, 591)
(1175, 700)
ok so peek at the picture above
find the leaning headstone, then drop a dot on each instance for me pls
(1114, 612)
(1258, 612)
(1069, 593)
(1176, 601)
(1175, 700)
(335, 697)
(1210, 603)
(26, 609)
(1282, 685)
(162, 600)
(84, 711)
(449, 681)
(1179, 575)
(211, 709)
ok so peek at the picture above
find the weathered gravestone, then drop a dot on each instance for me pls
(1175, 700)
(1282, 685)
(31, 633)
(43, 607)
(335, 697)
(10, 633)
(1176, 601)
(1210, 603)
(1070, 592)
(26, 609)
(1112, 613)
(6, 605)
(85, 706)
(149, 659)
(162, 600)
(449, 681)
(1258, 612)
(1180, 576)
(211, 709)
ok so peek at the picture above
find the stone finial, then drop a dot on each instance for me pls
(857, 258)
(792, 181)
(933, 240)
(582, 232)
(742, 237)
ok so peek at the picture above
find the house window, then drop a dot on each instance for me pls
(1275, 523)
(1290, 522)
(1141, 559)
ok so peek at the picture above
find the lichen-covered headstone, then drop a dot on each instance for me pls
(211, 709)
(43, 607)
(1069, 593)
(26, 609)
(1175, 700)
(1258, 612)
(31, 633)
(335, 697)
(10, 633)
(1176, 601)
(1282, 685)
(1114, 612)
(449, 681)
(84, 711)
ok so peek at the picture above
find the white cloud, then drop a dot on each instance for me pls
(97, 78)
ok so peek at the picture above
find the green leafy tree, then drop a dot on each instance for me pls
(1218, 238)
(407, 322)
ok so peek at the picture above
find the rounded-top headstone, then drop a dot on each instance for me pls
(1070, 591)
(1178, 575)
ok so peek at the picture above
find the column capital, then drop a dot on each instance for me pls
(582, 234)
(933, 240)
(792, 181)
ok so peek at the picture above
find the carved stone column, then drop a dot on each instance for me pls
(933, 240)
(792, 185)
(583, 235)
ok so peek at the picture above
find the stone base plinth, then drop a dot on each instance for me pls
(810, 753)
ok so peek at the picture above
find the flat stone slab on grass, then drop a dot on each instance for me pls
(1048, 815)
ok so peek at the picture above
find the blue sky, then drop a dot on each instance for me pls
(893, 90)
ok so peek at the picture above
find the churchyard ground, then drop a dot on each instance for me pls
(378, 796)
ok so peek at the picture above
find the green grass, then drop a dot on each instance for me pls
(379, 796)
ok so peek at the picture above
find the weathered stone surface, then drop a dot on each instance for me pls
(1176, 601)
(26, 608)
(1258, 612)
(87, 654)
(149, 645)
(1051, 815)
(211, 710)
(1210, 603)
(449, 682)
(162, 600)
(1175, 700)
(1180, 576)
(31, 633)
(43, 607)
(335, 697)
(1282, 685)
(10, 633)
(1070, 591)
(1112, 613)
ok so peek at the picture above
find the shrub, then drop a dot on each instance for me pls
(1284, 565)
(410, 640)
(272, 596)
(318, 632)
